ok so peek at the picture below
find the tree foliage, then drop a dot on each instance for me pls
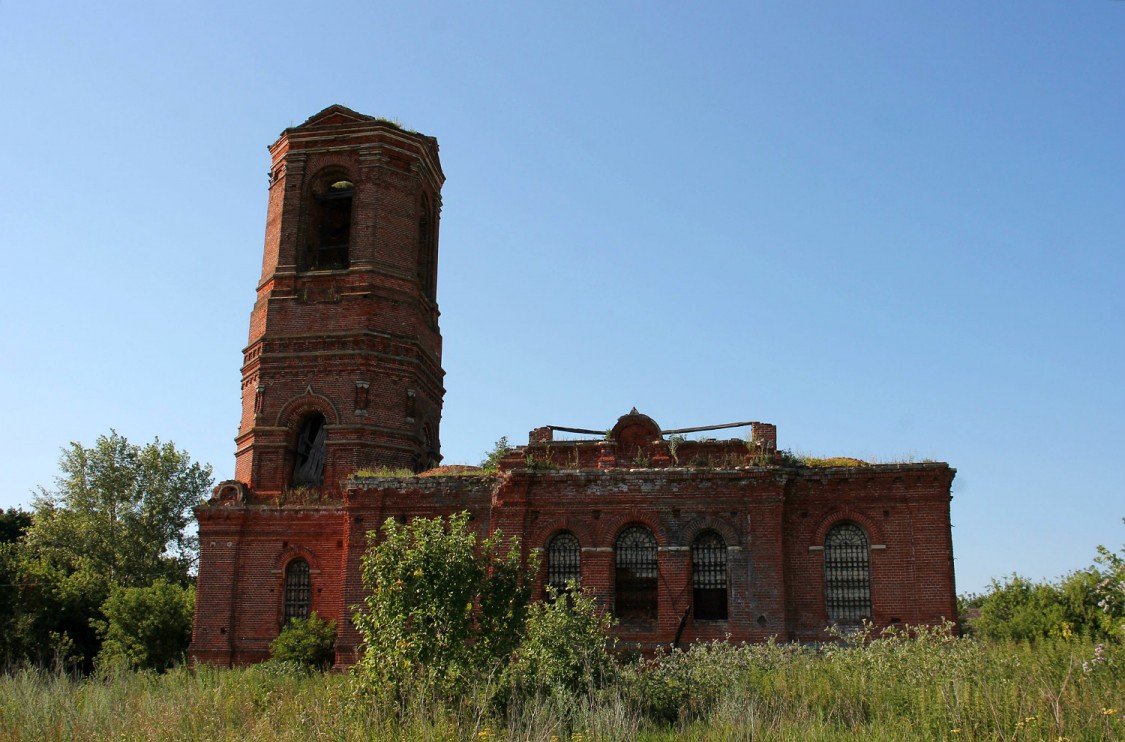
(14, 523)
(11, 646)
(120, 511)
(116, 518)
(444, 608)
(1089, 603)
(1018, 609)
(146, 627)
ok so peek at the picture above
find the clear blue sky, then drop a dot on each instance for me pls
(894, 229)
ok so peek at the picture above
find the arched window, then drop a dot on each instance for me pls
(564, 560)
(298, 590)
(635, 589)
(426, 253)
(308, 468)
(709, 576)
(847, 576)
(328, 223)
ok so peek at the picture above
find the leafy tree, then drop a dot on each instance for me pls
(10, 644)
(444, 609)
(146, 627)
(115, 519)
(120, 511)
(14, 523)
(55, 610)
(307, 642)
(565, 648)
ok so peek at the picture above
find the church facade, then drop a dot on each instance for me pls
(682, 540)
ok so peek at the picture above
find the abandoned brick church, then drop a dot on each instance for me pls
(683, 540)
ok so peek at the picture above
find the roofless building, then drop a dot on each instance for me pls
(683, 540)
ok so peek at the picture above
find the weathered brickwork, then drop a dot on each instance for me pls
(355, 339)
(342, 380)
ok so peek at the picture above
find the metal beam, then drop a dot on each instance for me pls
(705, 427)
(585, 431)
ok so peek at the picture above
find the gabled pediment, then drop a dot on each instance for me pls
(335, 115)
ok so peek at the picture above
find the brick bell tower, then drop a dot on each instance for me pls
(343, 366)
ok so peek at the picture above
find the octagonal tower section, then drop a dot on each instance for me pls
(342, 371)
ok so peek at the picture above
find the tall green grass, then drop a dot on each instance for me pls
(932, 687)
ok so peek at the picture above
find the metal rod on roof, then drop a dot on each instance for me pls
(585, 431)
(705, 427)
(576, 430)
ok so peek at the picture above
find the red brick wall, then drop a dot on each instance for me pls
(904, 511)
(317, 337)
(769, 518)
(241, 575)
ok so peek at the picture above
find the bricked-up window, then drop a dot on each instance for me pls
(298, 590)
(329, 223)
(308, 468)
(564, 560)
(427, 278)
(636, 575)
(709, 576)
(847, 576)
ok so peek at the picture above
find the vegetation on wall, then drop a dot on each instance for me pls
(786, 457)
(491, 462)
(383, 471)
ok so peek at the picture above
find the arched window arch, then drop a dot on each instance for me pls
(709, 576)
(847, 575)
(308, 466)
(635, 595)
(328, 222)
(298, 590)
(564, 560)
(427, 278)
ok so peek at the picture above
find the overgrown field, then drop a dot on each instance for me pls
(888, 688)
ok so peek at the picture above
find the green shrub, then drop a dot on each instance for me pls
(1110, 590)
(566, 646)
(444, 610)
(491, 462)
(146, 627)
(306, 642)
(1019, 609)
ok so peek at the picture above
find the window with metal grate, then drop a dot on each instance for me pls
(635, 594)
(847, 575)
(298, 590)
(564, 560)
(709, 576)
